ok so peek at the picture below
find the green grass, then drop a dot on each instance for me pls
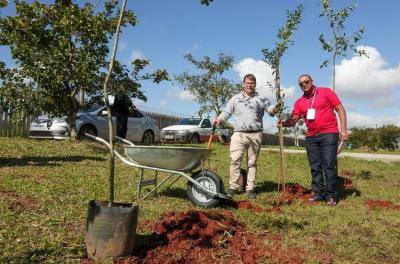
(45, 187)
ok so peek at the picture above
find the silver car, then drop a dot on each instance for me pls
(141, 128)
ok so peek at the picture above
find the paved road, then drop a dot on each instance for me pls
(364, 156)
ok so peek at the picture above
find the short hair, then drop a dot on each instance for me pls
(249, 76)
(305, 75)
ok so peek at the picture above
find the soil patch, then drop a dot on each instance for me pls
(248, 205)
(211, 237)
(373, 204)
(18, 202)
(296, 191)
(347, 173)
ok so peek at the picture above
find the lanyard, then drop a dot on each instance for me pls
(315, 93)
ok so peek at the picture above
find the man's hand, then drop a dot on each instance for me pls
(344, 134)
(132, 109)
(217, 121)
(289, 122)
(276, 109)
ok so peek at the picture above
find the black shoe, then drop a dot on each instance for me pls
(316, 198)
(251, 194)
(231, 192)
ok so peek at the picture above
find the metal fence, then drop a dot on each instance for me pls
(7, 129)
(270, 139)
(163, 120)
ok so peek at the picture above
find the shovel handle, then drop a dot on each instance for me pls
(211, 137)
(341, 146)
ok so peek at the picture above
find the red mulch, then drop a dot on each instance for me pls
(373, 204)
(213, 237)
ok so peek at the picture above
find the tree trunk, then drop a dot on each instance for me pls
(74, 106)
(282, 156)
(110, 127)
(81, 96)
(334, 71)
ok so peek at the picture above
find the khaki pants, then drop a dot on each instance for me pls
(240, 142)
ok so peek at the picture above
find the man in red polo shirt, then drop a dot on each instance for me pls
(317, 107)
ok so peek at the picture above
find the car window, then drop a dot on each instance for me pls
(89, 108)
(206, 123)
(135, 114)
(189, 121)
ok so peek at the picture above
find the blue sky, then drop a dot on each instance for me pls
(368, 87)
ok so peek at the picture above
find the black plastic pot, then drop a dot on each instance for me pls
(110, 231)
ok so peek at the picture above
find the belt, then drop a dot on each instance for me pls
(250, 131)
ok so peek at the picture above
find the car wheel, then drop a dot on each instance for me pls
(148, 137)
(86, 129)
(195, 139)
(222, 139)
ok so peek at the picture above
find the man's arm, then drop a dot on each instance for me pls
(291, 121)
(273, 111)
(343, 121)
(226, 113)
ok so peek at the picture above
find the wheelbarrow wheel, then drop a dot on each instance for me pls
(211, 182)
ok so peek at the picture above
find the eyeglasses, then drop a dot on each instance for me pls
(304, 82)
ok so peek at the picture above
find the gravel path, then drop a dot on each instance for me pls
(364, 156)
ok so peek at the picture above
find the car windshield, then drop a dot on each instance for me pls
(89, 109)
(189, 121)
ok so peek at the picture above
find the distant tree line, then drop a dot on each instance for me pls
(385, 137)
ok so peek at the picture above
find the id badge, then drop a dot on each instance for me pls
(311, 114)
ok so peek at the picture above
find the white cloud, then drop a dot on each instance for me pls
(123, 45)
(163, 103)
(181, 95)
(385, 102)
(358, 120)
(137, 54)
(367, 77)
(265, 78)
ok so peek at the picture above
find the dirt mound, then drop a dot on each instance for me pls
(372, 204)
(248, 205)
(19, 202)
(213, 237)
(295, 191)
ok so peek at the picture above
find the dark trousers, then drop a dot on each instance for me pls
(122, 125)
(322, 157)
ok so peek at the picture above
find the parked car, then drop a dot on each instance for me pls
(141, 128)
(193, 130)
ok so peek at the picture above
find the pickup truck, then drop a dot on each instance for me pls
(193, 130)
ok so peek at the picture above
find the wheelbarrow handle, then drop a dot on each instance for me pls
(124, 141)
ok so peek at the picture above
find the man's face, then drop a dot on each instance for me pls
(249, 86)
(305, 83)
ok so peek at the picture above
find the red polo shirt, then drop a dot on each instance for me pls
(324, 104)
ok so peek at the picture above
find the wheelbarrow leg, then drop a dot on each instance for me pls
(143, 182)
(139, 185)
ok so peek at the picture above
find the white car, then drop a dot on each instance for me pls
(141, 128)
(194, 131)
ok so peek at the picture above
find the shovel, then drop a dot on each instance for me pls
(341, 146)
(211, 136)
